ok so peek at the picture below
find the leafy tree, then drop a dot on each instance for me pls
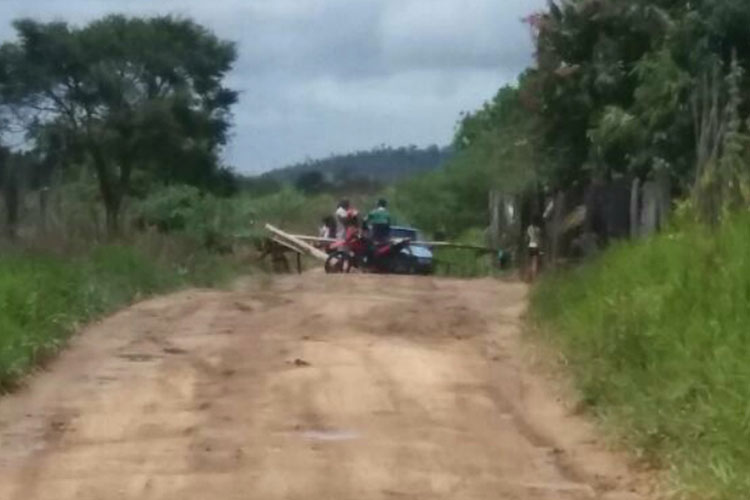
(311, 182)
(617, 88)
(259, 186)
(132, 97)
(637, 88)
(587, 53)
(495, 151)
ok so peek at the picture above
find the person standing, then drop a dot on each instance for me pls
(379, 222)
(327, 228)
(341, 215)
(534, 241)
(326, 232)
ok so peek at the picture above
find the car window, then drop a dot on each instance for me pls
(403, 233)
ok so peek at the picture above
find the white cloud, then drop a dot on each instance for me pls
(455, 33)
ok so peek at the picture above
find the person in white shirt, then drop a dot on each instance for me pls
(534, 240)
(327, 230)
(341, 215)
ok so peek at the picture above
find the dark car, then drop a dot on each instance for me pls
(420, 257)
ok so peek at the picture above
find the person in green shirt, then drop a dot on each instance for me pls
(379, 222)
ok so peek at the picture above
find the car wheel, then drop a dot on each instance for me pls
(405, 265)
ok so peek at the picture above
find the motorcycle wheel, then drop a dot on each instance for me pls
(337, 263)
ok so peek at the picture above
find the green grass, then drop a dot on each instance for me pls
(466, 263)
(658, 336)
(43, 298)
(461, 263)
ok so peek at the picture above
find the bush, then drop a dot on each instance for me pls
(657, 335)
(209, 221)
(215, 223)
(172, 208)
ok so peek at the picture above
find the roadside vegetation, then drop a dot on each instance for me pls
(54, 281)
(656, 333)
(465, 262)
(45, 297)
(654, 330)
(117, 190)
(493, 151)
(125, 121)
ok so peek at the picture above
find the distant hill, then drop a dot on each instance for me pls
(381, 165)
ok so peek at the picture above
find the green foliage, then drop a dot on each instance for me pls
(217, 224)
(258, 186)
(291, 210)
(586, 79)
(428, 202)
(312, 182)
(613, 92)
(723, 183)
(495, 114)
(656, 333)
(137, 100)
(207, 220)
(615, 83)
(172, 209)
(43, 299)
(465, 263)
(496, 150)
(366, 171)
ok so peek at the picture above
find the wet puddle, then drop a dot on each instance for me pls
(330, 435)
(138, 357)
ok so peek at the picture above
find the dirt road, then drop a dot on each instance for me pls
(313, 387)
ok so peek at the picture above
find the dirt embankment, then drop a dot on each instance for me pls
(316, 387)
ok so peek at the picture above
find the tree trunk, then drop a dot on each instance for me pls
(664, 201)
(555, 231)
(111, 194)
(11, 207)
(635, 203)
(710, 128)
(495, 207)
(650, 194)
(113, 219)
(11, 198)
(43, 204)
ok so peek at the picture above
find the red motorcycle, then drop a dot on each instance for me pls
(360, 253)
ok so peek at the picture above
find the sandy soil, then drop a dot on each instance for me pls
(313, 387)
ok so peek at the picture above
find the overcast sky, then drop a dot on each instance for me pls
(333, 76)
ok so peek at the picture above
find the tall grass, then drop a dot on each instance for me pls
(466, 263)
(658, 336)
(44, 298)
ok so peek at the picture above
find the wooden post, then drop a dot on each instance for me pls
(43, 202)
(558, 214)
(12, 201)
(496, 205)
(496, 225)
(299, 263)
(664, 200)
(635, 201)
(649, 219)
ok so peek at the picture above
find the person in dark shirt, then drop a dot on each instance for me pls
(379, 222)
